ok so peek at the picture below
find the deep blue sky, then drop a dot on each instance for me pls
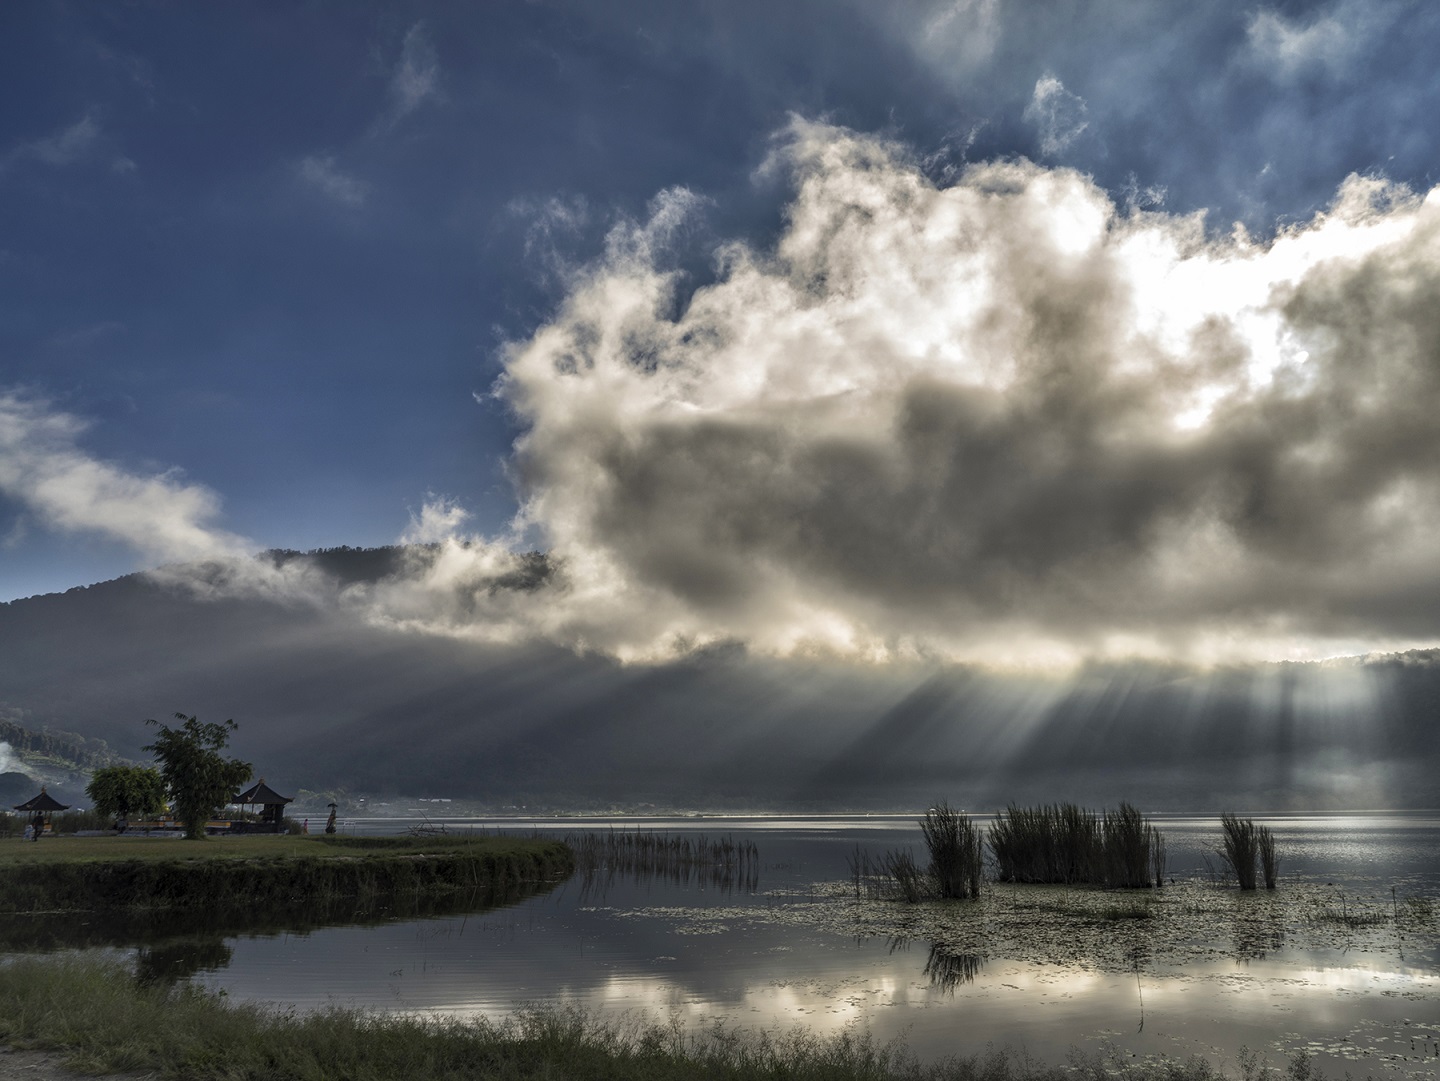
(272, 249)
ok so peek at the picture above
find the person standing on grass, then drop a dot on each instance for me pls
(38, 822)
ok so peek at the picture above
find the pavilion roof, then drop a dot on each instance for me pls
(263, 794)
(43, 802)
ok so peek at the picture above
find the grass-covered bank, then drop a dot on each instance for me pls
(90, 873)
(103, 1021)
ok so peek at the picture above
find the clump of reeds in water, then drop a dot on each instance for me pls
(912, 884)
(1133, 850)
(1044, 844)
(891, 876)
(1249, 850)
(955, 851)
(1064, 843)
(720, 863)
(957, 862)
(1269, 861)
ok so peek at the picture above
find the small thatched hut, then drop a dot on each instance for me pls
(39, 809)
(271, 804)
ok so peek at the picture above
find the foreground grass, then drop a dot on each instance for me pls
(102, 1021)
(92, 873)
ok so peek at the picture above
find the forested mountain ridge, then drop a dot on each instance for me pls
(325, 700)
(67, 749)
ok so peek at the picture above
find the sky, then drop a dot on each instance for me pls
(993, 331)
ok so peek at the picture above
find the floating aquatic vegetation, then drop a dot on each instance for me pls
(1105, 930)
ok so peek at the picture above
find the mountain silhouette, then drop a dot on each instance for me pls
(325, 701)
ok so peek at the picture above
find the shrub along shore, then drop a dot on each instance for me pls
(102, 1021)
(93, 873)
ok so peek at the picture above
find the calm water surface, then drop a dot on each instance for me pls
(772, 957)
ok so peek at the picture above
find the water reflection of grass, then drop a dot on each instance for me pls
(174, 944)
(948, 970)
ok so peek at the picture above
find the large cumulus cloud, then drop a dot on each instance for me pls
(996, 420)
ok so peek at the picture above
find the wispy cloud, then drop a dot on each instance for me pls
(168, 521)
(87, 337)
(548, 222)
(961, 33)
(159, 515)
(1329, 41)
(320, 172)
(415, 78)
(1058, 115)
(68, 146)
(78, 143)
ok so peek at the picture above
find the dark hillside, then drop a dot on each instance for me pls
(325, 701)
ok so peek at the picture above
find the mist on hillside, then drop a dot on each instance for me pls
(328, 702)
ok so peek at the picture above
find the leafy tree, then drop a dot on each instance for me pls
(119, 791)
(198, 778)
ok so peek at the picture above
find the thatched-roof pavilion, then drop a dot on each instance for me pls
(271, 804)
(42, 807)
(43, 802)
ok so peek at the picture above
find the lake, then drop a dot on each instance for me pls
(1341, 961)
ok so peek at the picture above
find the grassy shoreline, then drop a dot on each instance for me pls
(99, 873)
(96, 1015)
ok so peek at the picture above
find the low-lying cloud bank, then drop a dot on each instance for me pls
(1000, 420)
(44, 469)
